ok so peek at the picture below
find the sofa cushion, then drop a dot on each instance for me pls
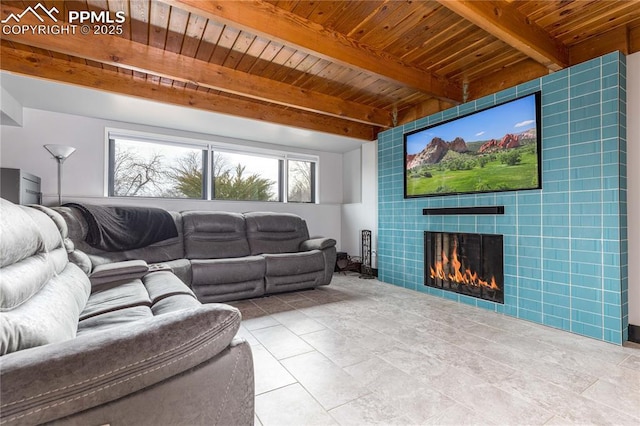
(110, 319)
(275, 232)
(41, 294)
(294, 263)
(20, 236)
(215, 280)
(122, 302)
(217, 271)
(214, 235)
(167, 293)
(115, 296)
(176, 302)
(294, 271)
(51, 315)
(162, 284)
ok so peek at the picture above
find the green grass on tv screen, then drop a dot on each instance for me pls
(515, 168)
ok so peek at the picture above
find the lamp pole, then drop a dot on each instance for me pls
(60, 153)
(60, 160)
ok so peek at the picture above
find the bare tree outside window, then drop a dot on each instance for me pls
(300, 181)
(135, 175)
(155, 170)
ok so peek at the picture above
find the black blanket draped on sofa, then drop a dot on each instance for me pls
(117, 228)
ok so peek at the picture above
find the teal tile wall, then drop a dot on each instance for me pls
(565, 246)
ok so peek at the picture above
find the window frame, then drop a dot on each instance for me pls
(209, 148)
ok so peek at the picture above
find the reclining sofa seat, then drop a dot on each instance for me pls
(293, 261)
(130, 351)
(221, 262)
(227, 256)
(247, 255)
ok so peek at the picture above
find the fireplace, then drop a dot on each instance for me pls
(469, 264)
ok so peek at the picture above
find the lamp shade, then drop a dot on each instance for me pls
(60, 152)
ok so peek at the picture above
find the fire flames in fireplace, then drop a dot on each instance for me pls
(453, 271)
(465, 263)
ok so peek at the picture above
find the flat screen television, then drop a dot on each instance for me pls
(495, 149)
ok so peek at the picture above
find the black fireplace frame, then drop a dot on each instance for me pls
(496, 296)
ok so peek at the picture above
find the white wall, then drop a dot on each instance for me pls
(633, 184)
(352, 176)
(10, 109)
(84, 171)
(361, 211)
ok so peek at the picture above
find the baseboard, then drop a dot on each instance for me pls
(634, 333)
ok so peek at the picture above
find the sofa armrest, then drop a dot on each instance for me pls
(53, 381)
(317, 244)
(118, 271)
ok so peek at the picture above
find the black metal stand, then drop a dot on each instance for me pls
(365, 269)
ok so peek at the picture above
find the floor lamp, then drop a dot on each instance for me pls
(60, 153)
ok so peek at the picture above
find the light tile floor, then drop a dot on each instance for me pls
(361, 352)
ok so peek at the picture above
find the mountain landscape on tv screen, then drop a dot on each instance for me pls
(458, 166)
(437, 149)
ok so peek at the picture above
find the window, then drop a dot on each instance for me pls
(301, 181)
(245, 177)
(144, 166)
(139, 169)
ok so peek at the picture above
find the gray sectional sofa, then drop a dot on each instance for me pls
(129, 346)
(225, 256)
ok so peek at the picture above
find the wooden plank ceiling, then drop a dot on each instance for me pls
(350, 68)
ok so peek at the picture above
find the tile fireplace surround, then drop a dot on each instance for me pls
(565, 246)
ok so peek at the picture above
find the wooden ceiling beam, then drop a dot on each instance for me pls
(634, 38)
(46, 67)
(502, 20)
(127, 54)
(616, 39)
(422, 109)
(494, 82)
(510, 76)
(264, 19)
